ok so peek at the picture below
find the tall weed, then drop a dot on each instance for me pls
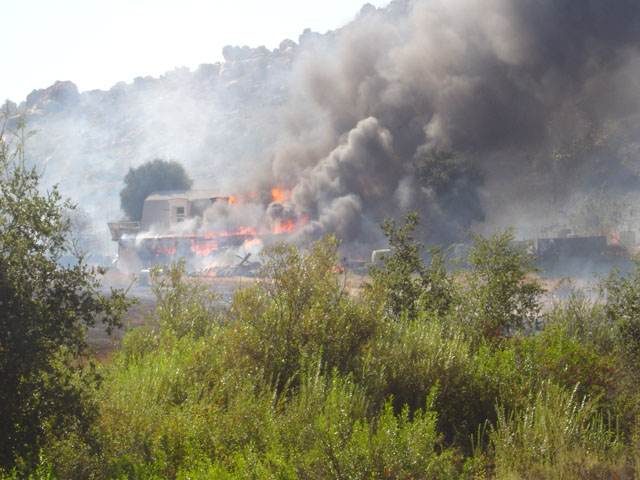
(556, 435)
(410, 357)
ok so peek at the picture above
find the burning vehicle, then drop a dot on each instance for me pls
(614, 244)
(582, 255)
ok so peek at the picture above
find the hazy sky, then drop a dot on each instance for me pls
(97, 44)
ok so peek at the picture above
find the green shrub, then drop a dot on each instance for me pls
(403, 446)
(410, 357)
(299, 309)
(498, 293)
(583, 319)
(176, 405)
(325, 432)
(407, 283)
(321, 428)
(569, 361)
(183, 307)
(622, 308)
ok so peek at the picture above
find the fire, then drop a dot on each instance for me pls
(219, 243)
(203, 247)
(613, 238)
(241, 231)
(210, 272)
(284, 227)
(290, 225)
(252, 242)
(280, 195)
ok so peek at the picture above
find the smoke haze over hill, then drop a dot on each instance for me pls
(511, 111)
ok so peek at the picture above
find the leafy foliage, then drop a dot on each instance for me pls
(299, 309)
(557, 435)
(153, 176)
(451, 181)
(500, 295)
(45, 309)
(622, 309)
(408, 284)
(183, 308)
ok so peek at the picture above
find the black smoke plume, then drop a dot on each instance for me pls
(414, 106)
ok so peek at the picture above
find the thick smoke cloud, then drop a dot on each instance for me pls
(477, 114)
(505, 83)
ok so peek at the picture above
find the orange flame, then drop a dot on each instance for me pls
(613, 238)
(241, 231)
(231, 200)
(284, 227)
(290, 225)
(203, 247)
(280, 195)
(252, 242)
(209, 270)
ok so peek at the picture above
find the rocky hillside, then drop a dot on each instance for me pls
(211, 119)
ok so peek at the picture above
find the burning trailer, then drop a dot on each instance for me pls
(615, 244)
(571, 254)
(199, 227)
(202, 252)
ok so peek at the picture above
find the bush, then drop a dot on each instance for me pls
(299, 309)
(411, 357)
(499, 294)
(409, 285)
(622, 309)
(183, 307)
(583, 320)
(325, 432)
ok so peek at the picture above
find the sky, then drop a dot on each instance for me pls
(98, 44)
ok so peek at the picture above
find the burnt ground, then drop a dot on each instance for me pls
(104, 344)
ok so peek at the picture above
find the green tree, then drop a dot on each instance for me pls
(451, 182)
(407, 282)
(501, 294)
(153, 176)
(599, 214)
(45, 308)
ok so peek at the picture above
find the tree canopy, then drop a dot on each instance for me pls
(451, 183)
(155, 175)
(45, 308)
